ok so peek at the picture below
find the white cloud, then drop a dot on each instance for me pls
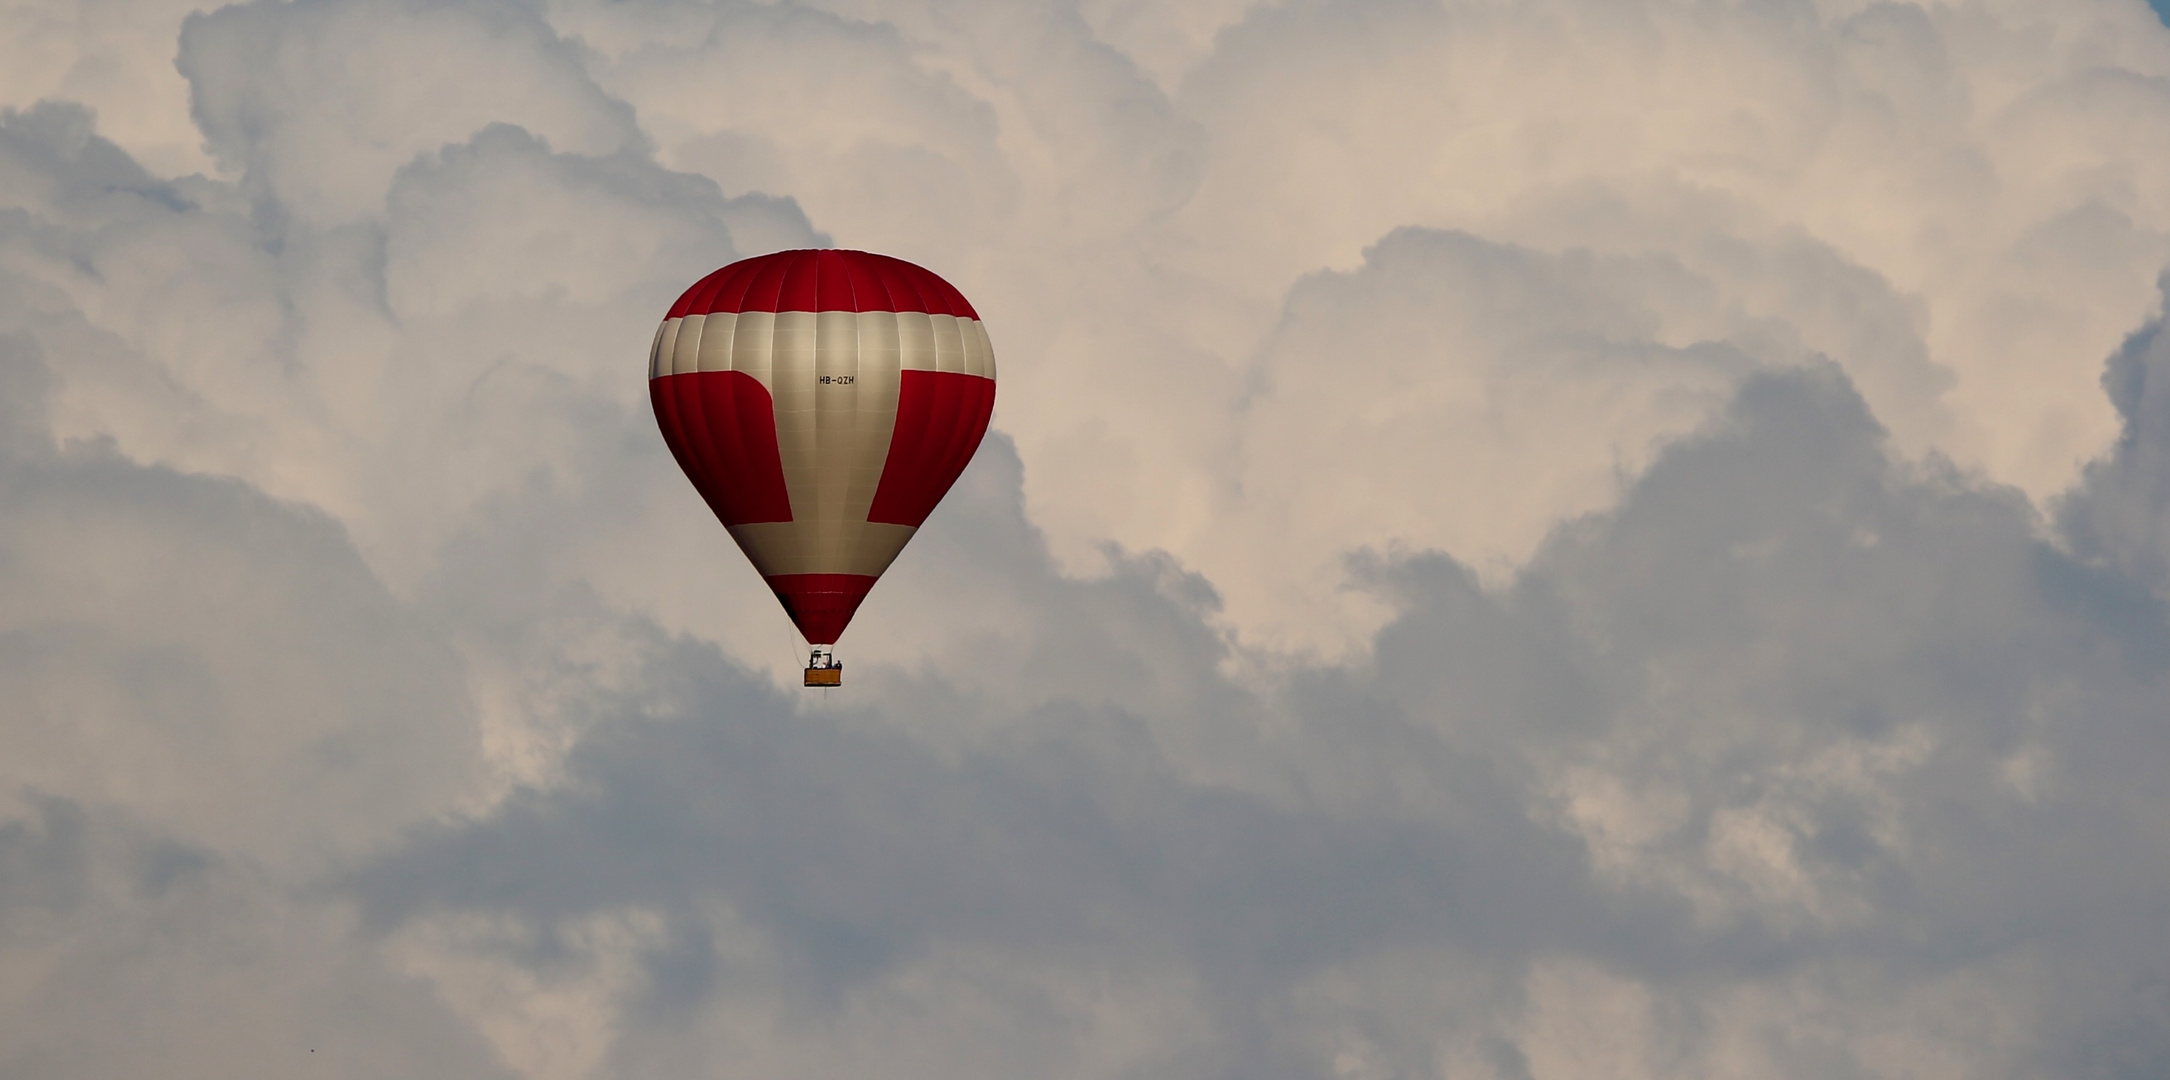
(1898, 143)
(1519, 374)
(1450, 373)
(1885, 185)
(116, 58)
(1839, 877)
(166, 631)
(318, 103)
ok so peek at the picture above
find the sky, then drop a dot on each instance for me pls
(1521, 540)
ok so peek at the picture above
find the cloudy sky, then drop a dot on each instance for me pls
(1522, 540)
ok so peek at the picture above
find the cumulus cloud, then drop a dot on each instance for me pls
(318, 104)
(210, 700)
(114, 58)
(165, 629)
(1531, 540)
(1778, 768)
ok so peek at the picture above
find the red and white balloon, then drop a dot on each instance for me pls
(822, 402)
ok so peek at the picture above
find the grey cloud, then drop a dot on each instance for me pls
(371, 682)
(163, 629)
(207, 700)
(1450, 371)
(56, 161)
(129, 952)
(195, 335)
(1674, 127)
(460, 216)
(836, 111)
(1890, 736)
(2117, 516)
(1460, 393)
(1071, 838)
(1085, 107)
(302, 97)
(119, 63)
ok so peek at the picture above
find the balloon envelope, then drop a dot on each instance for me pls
(822, 402)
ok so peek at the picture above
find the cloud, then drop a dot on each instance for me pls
(1781, 762)
(319, 103)
(116, 59)
(1878, 132)
(1449, 371)
(1523, 541)
(731, 96)
(2116, 518)
(164, 629)
(210, 699)
(133, 953)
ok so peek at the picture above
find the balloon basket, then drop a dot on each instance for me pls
(823, 668)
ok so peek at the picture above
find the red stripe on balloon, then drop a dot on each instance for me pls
(796, 289)
(822, 279)
(721, 426)
(674, 431)
(941, 418)
(975, 406)
(821, 604)
(699, 444)
(867, 284)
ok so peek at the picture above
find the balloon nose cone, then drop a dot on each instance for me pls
(821, 604)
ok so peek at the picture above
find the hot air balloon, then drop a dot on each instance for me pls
(822, 402)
